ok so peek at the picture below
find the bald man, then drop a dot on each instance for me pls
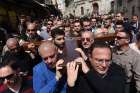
(47, 50)
(31, 29)
(11, 45)
(11, 40)
(28, 39)
(31, 33)
(46, 75)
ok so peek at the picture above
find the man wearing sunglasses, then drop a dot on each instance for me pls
(47, 77)
(11, 81)
(129, 60)
(87, 39)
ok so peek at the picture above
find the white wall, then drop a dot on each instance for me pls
(61, 5)
(104, 7)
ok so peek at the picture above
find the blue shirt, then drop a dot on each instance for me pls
(44, 35)
(44, 80)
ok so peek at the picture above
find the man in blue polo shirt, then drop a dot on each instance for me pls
(47, 77)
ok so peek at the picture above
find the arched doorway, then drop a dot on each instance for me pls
(95, 8)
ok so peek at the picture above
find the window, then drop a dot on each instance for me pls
(119, 2)
(82, 11)
(95, 8)
(112, 6)
(133, 10)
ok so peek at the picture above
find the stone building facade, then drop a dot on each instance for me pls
(60, 4)
(89, 7)
(129, 7)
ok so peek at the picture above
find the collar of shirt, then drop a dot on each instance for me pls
(136, 24)
(15, 91)
(125, 52)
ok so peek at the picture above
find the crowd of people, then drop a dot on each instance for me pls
(64, 55)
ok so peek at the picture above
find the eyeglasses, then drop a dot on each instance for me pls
(7, 77)
(118, 37)
(87, 39)
(51, 56)
(31, 30)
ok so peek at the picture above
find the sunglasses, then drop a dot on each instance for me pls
(87, 39)
(7, 77)
(118, 37)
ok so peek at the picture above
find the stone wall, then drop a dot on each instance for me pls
(104, 6)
